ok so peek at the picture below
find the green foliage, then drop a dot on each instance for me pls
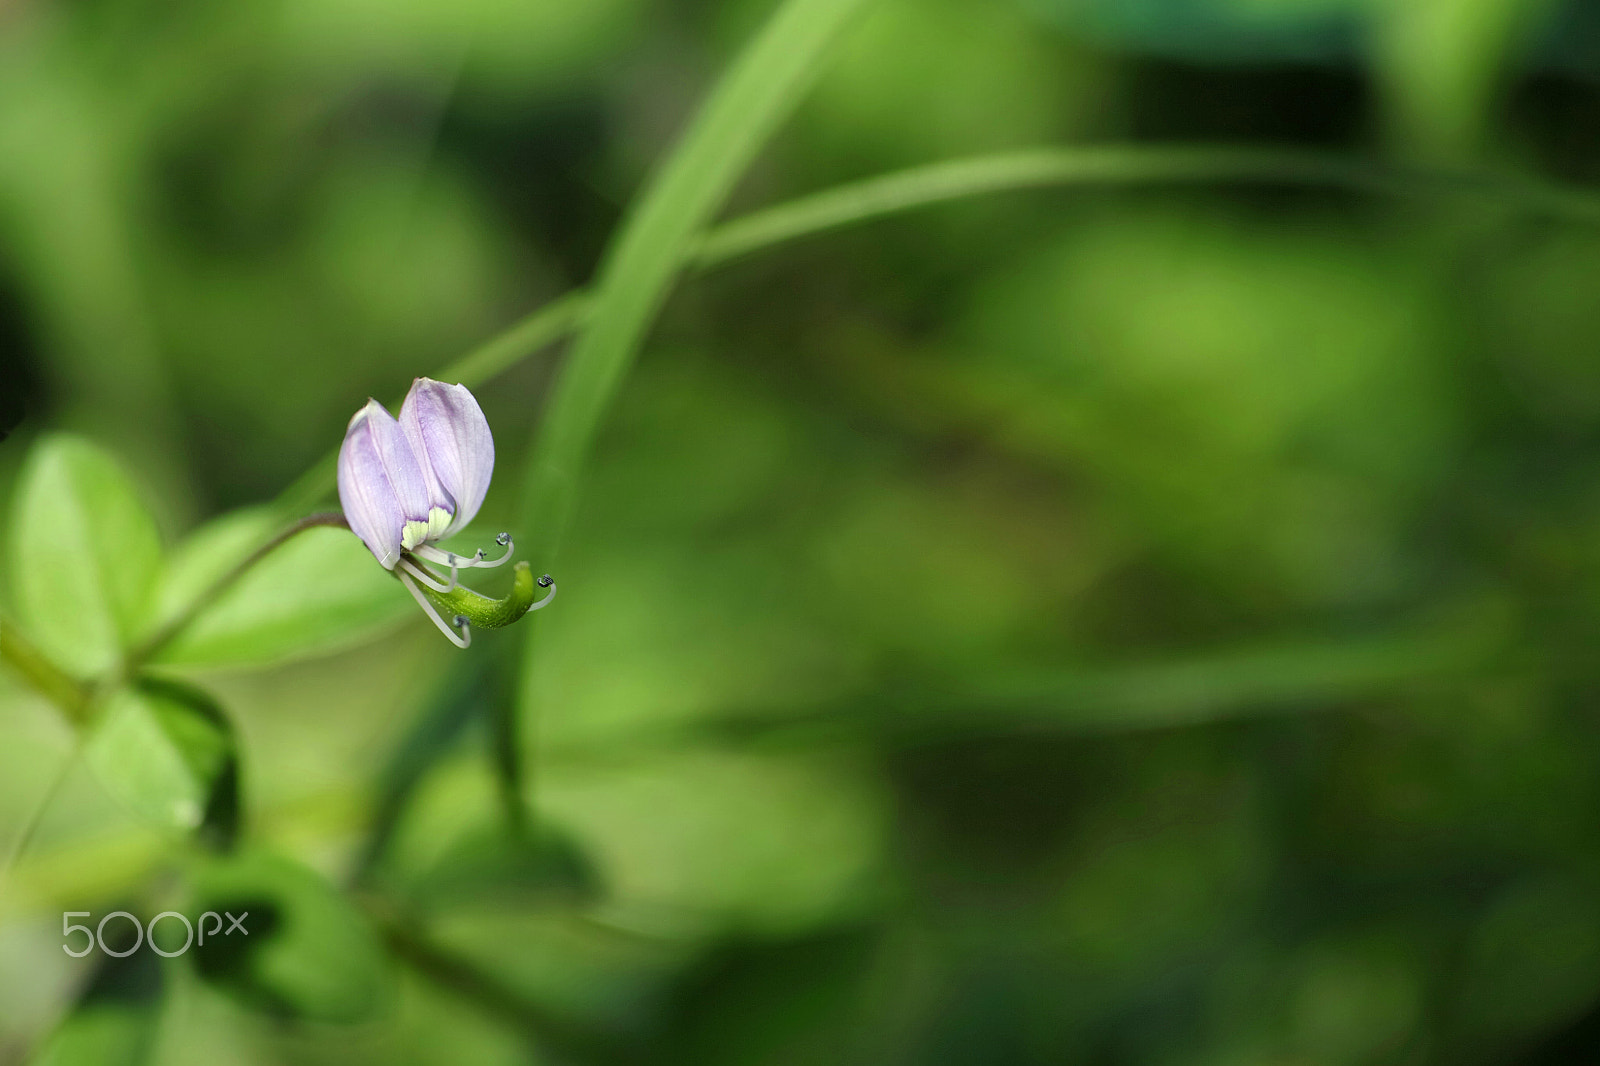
(981, 77)
(1126, 345)
(495, 865)
(84, 554)
(1443, 61)
(768, 844)
(309, 952)
(508, 46)
(1533, 963)
(169, 753)
(90, 580)
(1091, 623)
(106, 1035)
(317, 593)
(645, 257)
(115, 1022)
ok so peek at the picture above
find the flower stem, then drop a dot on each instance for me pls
(551, 1032)
(47, 679)
(158, 640)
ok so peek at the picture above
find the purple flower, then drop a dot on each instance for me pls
(405, 483)
(451, 440)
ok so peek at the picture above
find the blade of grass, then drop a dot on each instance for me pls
(958, 179)
(1200, 689)
(645, 258)
(640, 266)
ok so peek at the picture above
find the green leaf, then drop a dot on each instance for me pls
(695, 833)
(107, 1034)
(115, 1021)
(1531, 965)
(168, 752)
(498, 864)
(85, 555)
(320, 591)
(1442, 63)
(306, 952)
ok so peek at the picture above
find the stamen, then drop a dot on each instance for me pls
(459, 640)
(464, 625)
(427, 578)
(546, 582)
(444, 558)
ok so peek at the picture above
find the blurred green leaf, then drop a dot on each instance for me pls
(512, 48)
(320, 591)
(1542, 317)
(309, 953)
(1356, 1000)
(979, 76)
(1220, 686)
(1532, 964)
(645, 257)
(432, 736)
(499, 865)
(1270, 405)
(206, 555)
(770, 843)
(116, 1020)
(167, 751)
(1442, 62)
(108, 1034)
(776, 1001)
(1209, 30)
(85, 554)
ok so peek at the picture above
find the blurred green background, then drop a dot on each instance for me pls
(1087, 626)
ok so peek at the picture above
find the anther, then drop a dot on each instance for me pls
(546, 582)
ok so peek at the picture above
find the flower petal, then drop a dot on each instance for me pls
(451, 438)
(381, 484)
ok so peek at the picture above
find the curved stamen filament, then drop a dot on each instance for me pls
(427, 578)
(546, 582)
(451, 559)
(461, 639)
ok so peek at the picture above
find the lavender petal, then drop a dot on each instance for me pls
(451, 438)
(381, 484)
